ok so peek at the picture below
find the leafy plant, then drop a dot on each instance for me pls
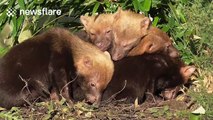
(13, 114)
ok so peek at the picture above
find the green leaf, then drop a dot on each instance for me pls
(153, 110)
(173, 11)
(194, 117)
(38, 1)
(89, 2)
(147, 5)
(165, 28)
(180, 34)
(182, 17)
(171, 22)
(30, 5)
(3, 18)
(184, 1)
(155, 22)
(14, 26)
(95, 7)
(20, 21)
(107, 3)
(11, 3)
(166, 108)
(64, 2)
(21, 4)
(135, 4)
(3, 2)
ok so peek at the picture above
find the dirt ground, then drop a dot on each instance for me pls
(109, 110)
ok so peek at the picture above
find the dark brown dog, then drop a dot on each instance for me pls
(48, 63)
(152, 73)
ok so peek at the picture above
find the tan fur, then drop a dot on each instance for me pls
(89, 61)
(128, 30)
(186, 72)
(155, 41)
(99, 29)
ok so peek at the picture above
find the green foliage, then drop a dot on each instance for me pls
(206, 100)
(13, 114)
(185, 24)
(164, 111)
(3, 51)
(194, 117)
(53, 110)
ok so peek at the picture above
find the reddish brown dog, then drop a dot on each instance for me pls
(155, 41)
(126, 33)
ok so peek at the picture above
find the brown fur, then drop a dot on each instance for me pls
(99, 29)
(128, 29)
(45, 63)
(82, 34)
(155, 41)
(154, 73)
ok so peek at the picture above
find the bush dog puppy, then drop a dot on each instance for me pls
(152, 73)
(50, 63)
(99, 29)
(134, 38)
(128, 29)
(155, 41)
